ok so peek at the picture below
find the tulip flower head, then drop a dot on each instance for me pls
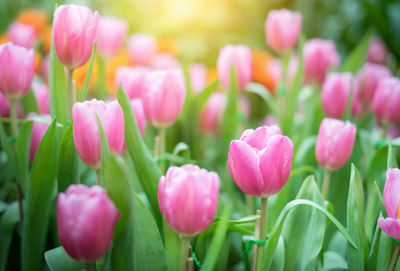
(4, 106)
(377, 51)
(138, 111)
(198, 77)
(132, 80)
(22, 34)
(386, 102)
(38, 130)
(142, 48)
(334, 143)
(188, 198)
(260, 161)
(86, 218)
(111, 34)
(164, 62)
(42, 95)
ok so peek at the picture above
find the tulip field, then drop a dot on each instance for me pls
(118, 152)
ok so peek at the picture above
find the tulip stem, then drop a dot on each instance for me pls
(325, 184)
(249, 204)
(184, 253)
(90, 266)
(160, 148)
(262, 232)
(70, 93)
(384, 129)
(98, 176)
(394, 257)
(14, 120)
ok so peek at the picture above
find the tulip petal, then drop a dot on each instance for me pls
(390, 226)
(391, 193)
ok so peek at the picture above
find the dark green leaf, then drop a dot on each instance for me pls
(22, 148)
(7, 224)
(7, 148)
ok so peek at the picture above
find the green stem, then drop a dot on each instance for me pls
(70, 93)
(263, 232)
(98, 176)
(249, 204)
(325, 184)
(384, 130)
(102, 78)
(394, 257)
(160, 147)
(90, 266)
(13, 116)
(184, 253)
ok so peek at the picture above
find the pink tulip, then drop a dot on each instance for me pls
(164, 97)
(164, 62)
(319, 56)
(282, 29)
(86, 130)
(45, 68)
(38, 130)
(239, 57)
(42, 95)
(275, 69)
(391, 198)
(369, 78)
(138, 111)
(377, 51)
(86, 218)
(142, 48)
(17, 69)
(4, 106)
(270, 120)
(260, 162)
(334, 143)
(198, 77)
(74, 32)
(386, 102)
(111, 34)
(188, 198)
(22, 34)
(335, 93)
(132, 80)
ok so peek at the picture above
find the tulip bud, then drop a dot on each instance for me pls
(319, 56)
(86, 218)
(198, 77)
(188, 198)
(260, 162)
(391, 198)
(86, 131)
(164, 62)
(132, 80)
(377, 51)
(138, 111)
(282, 29)
(17, 67)
(4, 106)
(22, 34)
(142, 48)
(74, 32)
(270, 120)
(41, 92)
(164, 97)
(334, 143)
(239, 57)
(110, 36)
(335, 93)
(38, 130)
(386, 102)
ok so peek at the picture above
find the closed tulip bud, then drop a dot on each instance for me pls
(377, 51)
(17, 68)
(164, 62)
(22, 34)
(45, 68)
(86, 218)
(86, 131)
(74, 32)
(198, 77)
(260, 162)
(138, 111)
(39, 128)
(41, 92)
(142, 48)
(319, 56)
(111, 34)
(282, 29)
(188, 198)
(132, 80)
(240, 58)
(391, 198)
(4, 106)
(335, 93)
(334, 143)
(164, 97)
(386, 102)
(270, 120)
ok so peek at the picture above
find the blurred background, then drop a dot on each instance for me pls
(196, 29)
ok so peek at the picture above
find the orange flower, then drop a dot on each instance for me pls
(4, 38)
(46, 38)
(37, 18)
(38, 60)
(121, 59)
(167, 45)
(212, 74)
(80, 73)
(261, 74)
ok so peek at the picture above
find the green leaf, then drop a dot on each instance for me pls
(264, 94)
(7, 223)
(105, 154)
(356, 59)
(334, 261)
(391, 160)
(58, 260)
(172, 246)
(7, 148)
(68, 161)
(82, 94)
(278, 262)
(57, 87)
(40, 196)
(380, 251)
(203, 96)
(355, 222)
(22, 149)
(29, 103)
(147, 169)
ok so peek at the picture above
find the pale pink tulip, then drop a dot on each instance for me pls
(42, 95)
(164, 61)
(39, 128)
(377, 51)
(22, 34)
(111, 34)
(198, 77)
(386, 102)
(132, 80)
(142, 48)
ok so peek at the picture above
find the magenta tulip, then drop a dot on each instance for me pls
(386, 102)
(164, 62)
(319, 56)
(198, 77)
(377, 51)
(142, 48)
(86, 218)
(239, 57)
(391, 198)
(164, 97)
(111, 34)
(188, 198)
(74, 32)
(39, 128)
(132, 80)
(17, 69)
(335, 93)
(41, 92)
(334, 143)
(4, 106)
(86, 131)
(260, 162)
(282, 29)
(22, 34)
